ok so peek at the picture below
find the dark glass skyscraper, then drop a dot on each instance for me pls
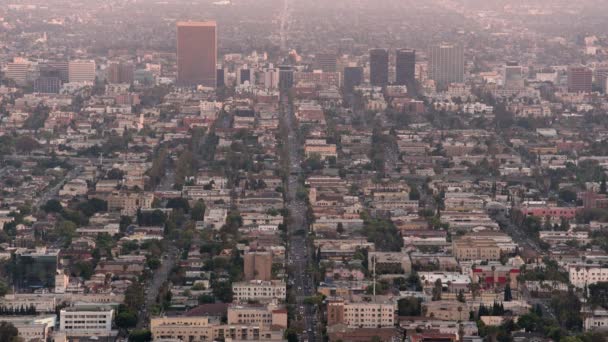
(353, 76)
(405, 67)
(378, 67)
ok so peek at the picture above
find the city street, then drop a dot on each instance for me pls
(298, 251)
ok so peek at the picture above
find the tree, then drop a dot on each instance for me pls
(206, 299)
(65, 229)
(414, 194)
(126, 318)
(3, 289)
(115, 174)
(93, 206)
(26, 144)
(508, 295)
(198, 211)
(598, 294)
(134, 296)
(291, 335)
(340, 228)
(567, 196)
(53, 206)
(437, 290)
(8, 332)
(460, 296)
(409, 306)
(178, 203)
(141, 335)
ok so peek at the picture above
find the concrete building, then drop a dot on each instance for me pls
(405, 67)
(86, 321)
(17, 71)
(378, 67)
(513, 76)
(81, 71)
(582, 275)
(197, 53)
(446, 64)
(205, 328)
(120, 72)
(580, 80)
(259, 290)
(328, 62)
(468, 248)
(363, 314)
(260, 315)
(353, 76)
(258, 265)
(32, 328)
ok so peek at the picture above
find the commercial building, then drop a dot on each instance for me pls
(81, 71)
(32, 328)
(205, 328)
(405, 67)
(259, 290)
(361, 314)
(244, 75)
(378, 67)
(260, 315)
(446, 65)
(35, 269)
(286, 77)
(469, 248)
(580, 80)
(258, 265)
(86, 321)
(353, 76)
(582, 275)
(326, 62)
(197, 54)
(513, 76)
(17, 71)
(120, 72)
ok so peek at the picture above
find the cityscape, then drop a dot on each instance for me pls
(290, 170)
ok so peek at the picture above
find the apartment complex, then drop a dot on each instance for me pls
(361, 314)
(259, 290)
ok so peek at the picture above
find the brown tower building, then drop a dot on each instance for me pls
(197, 53)
(580, 80)
(258, 265)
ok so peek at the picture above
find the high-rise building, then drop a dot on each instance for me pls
(81, 71)
(271, 78)
(257, 265)
(446, 64)
(285, 77)
(405, 67)
(353, 76)
(580, 80)
(17, 71)
(513, 76)
(346, 45)
(62, 68)
(47, 85)
(244, 75)
(197, 53)
(220, 78)
(35, 269)
(601, 79)
(49, 81)
(378, 67)
(120, 72)
(328, 62)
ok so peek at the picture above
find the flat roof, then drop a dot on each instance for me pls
(196, 23)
